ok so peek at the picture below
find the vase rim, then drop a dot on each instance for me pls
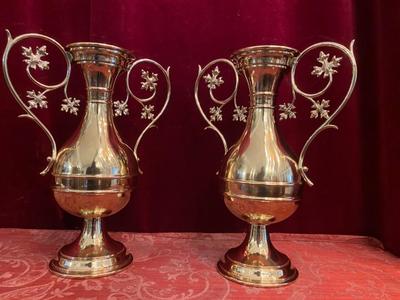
(264, 49)
(95, 45)
(100, 53)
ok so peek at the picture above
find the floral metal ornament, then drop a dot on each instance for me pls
(37, 99)
(121, 108)
(215, 113)
(150, 81)
(287, 111)
(70, 105)
(148, 112)
(150, 84)
(34, 59)
(327, 67)
(213, 80)
(319, 109)
(240, 114)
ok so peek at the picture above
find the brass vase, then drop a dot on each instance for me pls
(261, 180)
(95, 171)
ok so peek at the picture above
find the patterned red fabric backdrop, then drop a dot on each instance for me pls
(354, 170)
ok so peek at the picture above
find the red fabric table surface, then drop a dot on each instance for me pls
(182, 266)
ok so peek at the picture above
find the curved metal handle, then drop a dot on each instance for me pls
(149, 84)
(326, 69)
(34, 61)
(213, 81)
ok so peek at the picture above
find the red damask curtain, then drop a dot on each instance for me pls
(355, 170)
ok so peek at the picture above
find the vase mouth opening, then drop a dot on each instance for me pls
(263, 56)
(100, 53)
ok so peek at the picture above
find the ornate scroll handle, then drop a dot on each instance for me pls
(47, 88)
(311, 96)
(152, 87)
(215, 100)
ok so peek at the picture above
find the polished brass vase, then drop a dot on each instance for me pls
(95, 172)
(261, 180)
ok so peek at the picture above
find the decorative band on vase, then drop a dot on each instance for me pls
(264, 55)
(99, 53)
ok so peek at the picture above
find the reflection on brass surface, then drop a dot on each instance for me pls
(256, 262)
(260, 211)
(92, 205)
(261, 181)
(93, 254)
(95, 171)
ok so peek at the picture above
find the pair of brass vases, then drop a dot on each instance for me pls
(95, 171)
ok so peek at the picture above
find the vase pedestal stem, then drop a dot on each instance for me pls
(93, 254)
(256, 262)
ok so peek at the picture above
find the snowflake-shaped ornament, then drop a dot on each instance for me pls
(327, 67)
(215, 113)
(148, 112)
(287, 111)
(319, 109)
(70, 105)
(37, 99)
(34, 60)
(150, 81)
(121, 108)
(213, 80)
(240, 114)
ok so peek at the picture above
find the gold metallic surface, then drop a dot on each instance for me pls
(260, 178)
(93, 254)
(256, 262)
(94, 171)
(261, 211)
(91, 204)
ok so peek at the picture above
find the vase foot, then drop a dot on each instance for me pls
(259, 276)
(93, 254)
(257, 263)
(89, 267)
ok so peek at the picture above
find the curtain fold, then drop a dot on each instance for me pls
(379, 26)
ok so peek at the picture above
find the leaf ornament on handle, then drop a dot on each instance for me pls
(35, 58)
(320, 109)
(213, 81)
(149, 83)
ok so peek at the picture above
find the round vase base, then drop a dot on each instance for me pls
(257, 271)
(89, 267)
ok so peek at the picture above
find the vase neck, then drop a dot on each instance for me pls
(263, 67)
(262, 83)
(98, 122)
(100, 80)
(101, 65)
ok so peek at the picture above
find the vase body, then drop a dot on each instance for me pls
(260, 178)
(95, 171)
